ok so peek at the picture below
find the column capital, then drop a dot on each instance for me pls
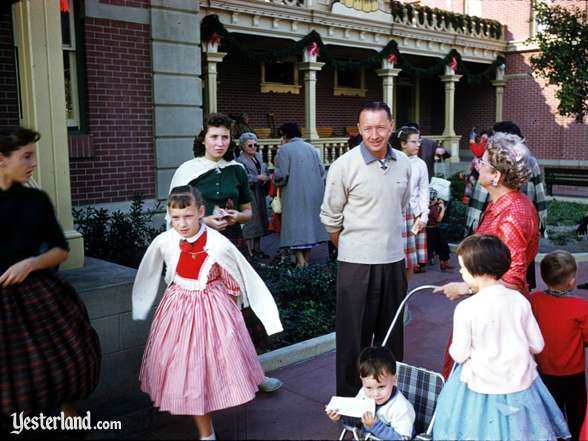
(498, 83)
(310, 66)
(450, 78)
(215, 57)
(388, 72)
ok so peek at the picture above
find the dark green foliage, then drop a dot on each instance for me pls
(565, 213)
(457, 185)
(117, 237)
(563, 60)
(453, 224)
(305, 297)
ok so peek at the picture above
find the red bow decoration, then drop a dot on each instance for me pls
(314, 49)
(64, 5)
(215, 38)
(392, 58)
(453, 64)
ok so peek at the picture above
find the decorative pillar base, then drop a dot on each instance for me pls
(451, 143)
(76, 250)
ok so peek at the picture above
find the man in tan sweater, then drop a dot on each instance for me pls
(366, 194)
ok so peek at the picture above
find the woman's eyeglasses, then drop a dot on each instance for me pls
(481, 162)
(253, 145)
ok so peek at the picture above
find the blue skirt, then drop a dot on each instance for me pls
(463, 414)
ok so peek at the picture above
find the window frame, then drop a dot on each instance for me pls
(349, 91)
(275, 87)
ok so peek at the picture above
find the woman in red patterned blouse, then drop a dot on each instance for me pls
(510, 215)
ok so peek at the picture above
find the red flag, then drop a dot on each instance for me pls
(392, 58)
(64, 5)
(453, 64)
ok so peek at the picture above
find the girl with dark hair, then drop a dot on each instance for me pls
(495, 391)
(49, 352)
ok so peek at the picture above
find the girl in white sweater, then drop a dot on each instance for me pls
(417, 212)
(199, 357)
(494, 392)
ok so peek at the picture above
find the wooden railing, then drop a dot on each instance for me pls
(329, 148)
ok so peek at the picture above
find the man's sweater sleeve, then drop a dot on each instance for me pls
(334, 200)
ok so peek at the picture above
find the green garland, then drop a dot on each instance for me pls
(211, 25)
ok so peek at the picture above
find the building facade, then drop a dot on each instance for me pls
(139, 76)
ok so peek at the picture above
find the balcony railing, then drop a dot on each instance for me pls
(329, 148)
(422, 17)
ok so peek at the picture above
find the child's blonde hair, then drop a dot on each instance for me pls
(558, 267)
(184, 196)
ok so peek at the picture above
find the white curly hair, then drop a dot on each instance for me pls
(509, 155)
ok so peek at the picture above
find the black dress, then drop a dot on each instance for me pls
(49, 352)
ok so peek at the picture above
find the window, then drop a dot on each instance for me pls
(73, 71)
(280, 77)
(350, 82)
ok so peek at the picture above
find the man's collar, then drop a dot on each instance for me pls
(368, 157)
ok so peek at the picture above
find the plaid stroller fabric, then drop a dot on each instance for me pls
(49, 352)
(421, 387)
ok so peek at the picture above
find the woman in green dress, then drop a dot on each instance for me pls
(221, 180)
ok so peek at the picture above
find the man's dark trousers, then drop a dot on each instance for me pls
(368, 296)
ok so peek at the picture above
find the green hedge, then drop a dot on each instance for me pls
(306, 299)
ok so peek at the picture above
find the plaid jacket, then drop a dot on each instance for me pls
(534, 189)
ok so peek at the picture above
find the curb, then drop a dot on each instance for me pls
(297, 352)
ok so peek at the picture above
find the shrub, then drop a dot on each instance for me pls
(565, 213)
(453, 225)
(117, 237)
(306, 299)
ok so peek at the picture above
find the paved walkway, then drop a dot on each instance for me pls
(297, 410)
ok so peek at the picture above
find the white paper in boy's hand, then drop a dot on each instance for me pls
(353, 407)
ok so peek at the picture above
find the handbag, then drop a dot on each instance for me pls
(277, 203)
(442, 186)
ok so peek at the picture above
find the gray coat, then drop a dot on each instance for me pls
(299, 174)
(257, 226)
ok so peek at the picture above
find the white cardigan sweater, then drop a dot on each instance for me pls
(165, 248)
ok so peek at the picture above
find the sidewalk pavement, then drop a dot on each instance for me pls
(296, 411)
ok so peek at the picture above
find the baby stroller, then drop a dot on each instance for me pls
(420, 386)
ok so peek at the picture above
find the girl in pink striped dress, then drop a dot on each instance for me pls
(199, 357)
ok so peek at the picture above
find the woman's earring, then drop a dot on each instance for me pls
(494, 182)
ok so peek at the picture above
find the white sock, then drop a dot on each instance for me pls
(212, 435)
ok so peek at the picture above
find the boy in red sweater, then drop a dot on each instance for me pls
(563, 320)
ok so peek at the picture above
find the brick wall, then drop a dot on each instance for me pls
(533, 106)
(475, 106)
(116, 159)
(8, 86)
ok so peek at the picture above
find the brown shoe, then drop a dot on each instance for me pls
(419, 269)
(444, 265)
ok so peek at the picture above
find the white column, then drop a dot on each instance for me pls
(451, 140)
(388, 72)
(213, 57)
(40, 64)
(310, 67)
(499, 83)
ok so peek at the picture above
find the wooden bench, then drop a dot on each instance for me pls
(565, 176)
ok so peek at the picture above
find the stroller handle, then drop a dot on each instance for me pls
(401, 307)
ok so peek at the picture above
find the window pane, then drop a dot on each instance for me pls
(65, 29)
(279, 73)
(349, 78)
(67, 74)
